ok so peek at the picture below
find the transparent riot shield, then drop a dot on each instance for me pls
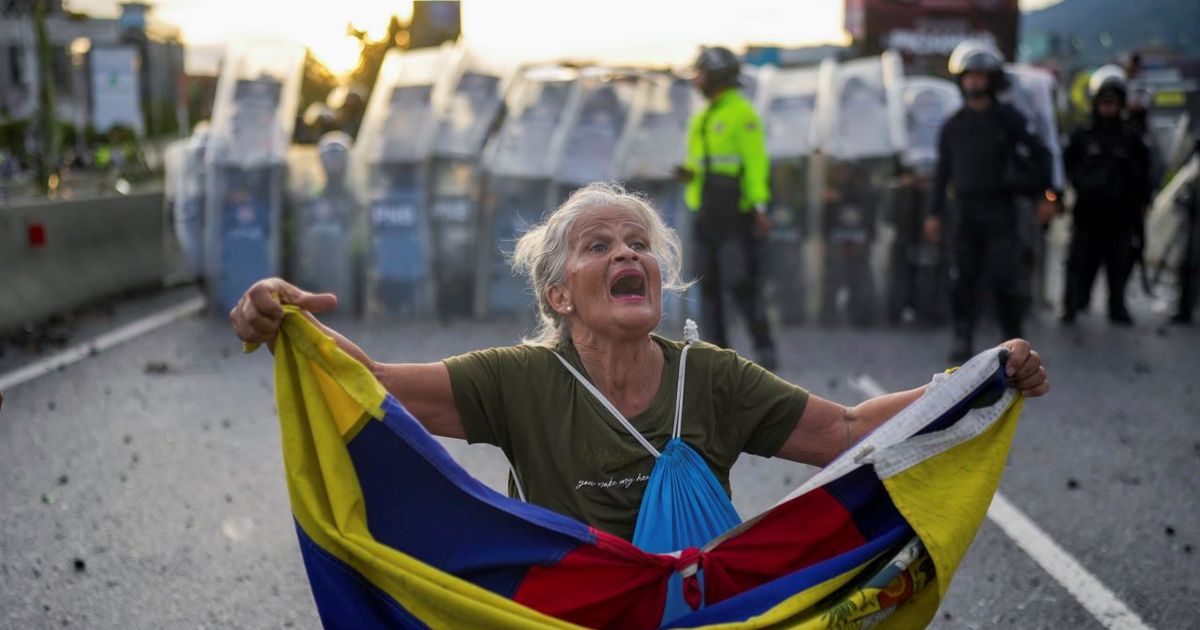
(253, 116)
(392, 157)
(918, 279)
(654, 143)
(593, 125)
(860, 111)
(788, 105)
(748, 81)
(1032, 92)
(928, 102)
(518, 168)
(473, 103)
(183, 193)
(1168, 227)
(174, 265)
(860, 132)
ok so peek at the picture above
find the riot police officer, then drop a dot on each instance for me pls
(325, 241)
(988, 157)
(1108, 165)
(727, 189)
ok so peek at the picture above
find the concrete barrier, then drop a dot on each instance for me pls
(59, 255)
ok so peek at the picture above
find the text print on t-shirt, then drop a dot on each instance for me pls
(625, 483)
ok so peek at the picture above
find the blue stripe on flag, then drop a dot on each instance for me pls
(421, 502)
(346, 599)
(867, 502)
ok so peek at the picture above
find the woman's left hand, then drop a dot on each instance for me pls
(1024, 368)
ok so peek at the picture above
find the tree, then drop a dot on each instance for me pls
(373, 52)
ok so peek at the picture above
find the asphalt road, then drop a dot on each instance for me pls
(143, 487)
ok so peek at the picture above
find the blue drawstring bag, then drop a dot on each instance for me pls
(684, 506)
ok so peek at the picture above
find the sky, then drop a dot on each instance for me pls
(610, 31)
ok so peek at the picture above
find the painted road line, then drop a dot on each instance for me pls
(1086, 588)
(102, 342)
(1089, 591)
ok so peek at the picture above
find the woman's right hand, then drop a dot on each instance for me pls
(257, 315)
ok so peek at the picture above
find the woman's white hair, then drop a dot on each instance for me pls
(541, 252)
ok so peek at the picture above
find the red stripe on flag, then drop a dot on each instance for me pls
(608, 584)
(800, 533)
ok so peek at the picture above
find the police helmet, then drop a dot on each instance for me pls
(719, 65)
(975, 56)
(334, 151)
(1109, 78)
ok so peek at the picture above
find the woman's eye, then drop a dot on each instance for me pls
(638, 246)
(597, 247)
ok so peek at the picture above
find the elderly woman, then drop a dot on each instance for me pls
(576, 407)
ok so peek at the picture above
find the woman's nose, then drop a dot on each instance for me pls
(624, 252)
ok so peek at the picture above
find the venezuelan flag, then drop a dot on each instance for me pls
(395, 534)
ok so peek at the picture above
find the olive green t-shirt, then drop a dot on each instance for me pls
(572, 456)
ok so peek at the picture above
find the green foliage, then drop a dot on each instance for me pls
(12, 137)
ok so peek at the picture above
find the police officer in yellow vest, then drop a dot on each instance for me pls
(727, 174)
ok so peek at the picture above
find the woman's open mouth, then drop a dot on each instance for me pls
(629, 285)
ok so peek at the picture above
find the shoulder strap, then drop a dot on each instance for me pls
(608, 405)
(678, 427)
(690, 336)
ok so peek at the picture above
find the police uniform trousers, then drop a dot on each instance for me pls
(1108, 244)
(985, 255)
(728, 254)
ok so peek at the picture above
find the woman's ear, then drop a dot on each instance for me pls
(560, 300)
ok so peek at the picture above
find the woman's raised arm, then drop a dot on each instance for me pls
(423, 388)
(826, 429)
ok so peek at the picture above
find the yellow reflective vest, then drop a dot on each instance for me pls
(733, 134)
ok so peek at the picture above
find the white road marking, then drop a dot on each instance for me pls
(1089, 591)
(1086, 588)
(102, 342)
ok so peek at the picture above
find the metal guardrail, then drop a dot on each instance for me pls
(59, 255)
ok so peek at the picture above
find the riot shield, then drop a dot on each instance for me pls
(593, 126)
(788, 103)
(518, 168)
(392, 156)
(860, 131)
(473, 101)
(183, 193)
(253, 116)
(1032, 92)
(917, 286)
(860, 111)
